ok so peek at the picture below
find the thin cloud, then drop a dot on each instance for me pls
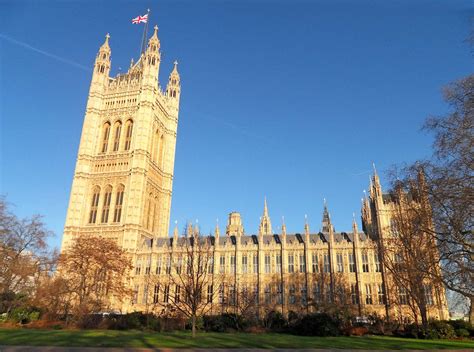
(45, 53)
(236, 128)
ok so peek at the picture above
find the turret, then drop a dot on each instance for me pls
(173, 89)
(151, 60)
(234, 225)
(102, 65)
(326, 225)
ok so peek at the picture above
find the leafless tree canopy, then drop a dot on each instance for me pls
(24, 254)
(95, 270)
(449, 186)
(192, 285)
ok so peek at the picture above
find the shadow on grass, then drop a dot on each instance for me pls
(183, 339)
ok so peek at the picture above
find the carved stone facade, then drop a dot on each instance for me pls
(123, 180)
(122, 189)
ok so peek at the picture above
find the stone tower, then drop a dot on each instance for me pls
(123, 180)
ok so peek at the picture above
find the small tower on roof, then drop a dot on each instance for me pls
(102, 62)
(173, 89)
(326, 225)
(234, 225)
(151, 59)
(265, 227)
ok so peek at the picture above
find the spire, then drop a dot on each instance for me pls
(265, 208)
(354, 225)
(306, 225)
(196, 228)
(217, 231)
(283, 226)
(106, 46)
(326, 223)
(154, 41)
(173, 89)
(265, 227)
(102, 64)
(376, 176)
(189, 229)
(176, 231)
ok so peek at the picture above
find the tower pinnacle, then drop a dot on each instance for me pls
(265, 227)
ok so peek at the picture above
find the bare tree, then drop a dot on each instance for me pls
(410, 254)
(192, 286)
(96, 271)
(449, 188)
(24, 254)
(331, 294)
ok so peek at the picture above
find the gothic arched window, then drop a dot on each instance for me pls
(106, 204)
(105, 137)
(94, 205)
(117, 130)
(152, 214)
(155, 214)
(119, 203)
(147, 211)
(128, 134)
(161, 151)
(156, 146)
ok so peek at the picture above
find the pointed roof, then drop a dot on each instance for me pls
(154, 37)
(265, 207)
(217, 231)
(326, 223)
(105, 46)
(174, 72)
(265, 227)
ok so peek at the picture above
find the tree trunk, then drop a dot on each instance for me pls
(424, 317)
(193, 323)
(471, 311)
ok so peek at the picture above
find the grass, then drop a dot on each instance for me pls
(112, 338)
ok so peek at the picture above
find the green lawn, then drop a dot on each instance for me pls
(111, 338)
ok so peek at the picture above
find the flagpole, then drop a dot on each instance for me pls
(145, 33)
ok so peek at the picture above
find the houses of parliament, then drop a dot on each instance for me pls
(122, 190)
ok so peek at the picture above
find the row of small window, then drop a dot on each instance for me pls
(121, 101)
(105, 208)
(277, 264)
(117, 134)
(167, 293)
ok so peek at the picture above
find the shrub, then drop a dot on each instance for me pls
(463, 333)
(319, 324)
(461, 324)
(224, 322)
(435, 330)
(213, 323)
(23, 315)
(275, 321)
(442, 329)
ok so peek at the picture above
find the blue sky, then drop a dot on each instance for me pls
(289, 99)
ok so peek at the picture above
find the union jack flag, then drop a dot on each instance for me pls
(140, 19)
